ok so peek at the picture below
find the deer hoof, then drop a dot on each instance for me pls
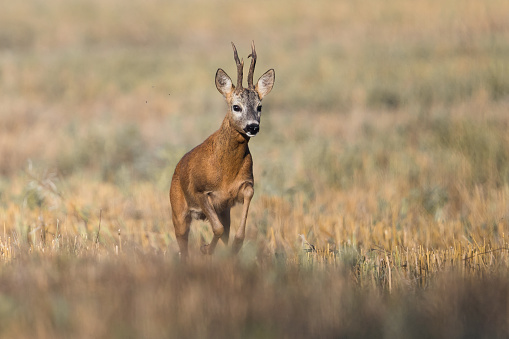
(204, 249)
(237, 245)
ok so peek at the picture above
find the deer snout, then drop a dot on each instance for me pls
(252, 129)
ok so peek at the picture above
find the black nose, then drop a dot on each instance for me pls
(252, 129)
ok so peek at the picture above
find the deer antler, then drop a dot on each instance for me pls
(252, 67)
(240, 67)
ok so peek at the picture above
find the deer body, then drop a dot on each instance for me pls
(211, 178)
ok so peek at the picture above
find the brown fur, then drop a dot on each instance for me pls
(215, 175)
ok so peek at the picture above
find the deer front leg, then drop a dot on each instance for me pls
(224, 217)
(217, 226)
(248, 193)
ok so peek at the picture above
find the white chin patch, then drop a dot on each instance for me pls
(250, 135)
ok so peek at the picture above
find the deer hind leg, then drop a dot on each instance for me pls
(182, 225)
(248, 193)
(217, 226)
(180, 217)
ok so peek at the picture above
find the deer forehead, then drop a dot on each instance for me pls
(245, 98)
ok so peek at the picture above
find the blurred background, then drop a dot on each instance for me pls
(383, 144)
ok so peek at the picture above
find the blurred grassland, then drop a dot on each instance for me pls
(384, 143)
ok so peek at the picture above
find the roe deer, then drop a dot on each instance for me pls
(215, 175)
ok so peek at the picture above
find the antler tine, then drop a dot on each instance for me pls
(252, 67)
(240, 67)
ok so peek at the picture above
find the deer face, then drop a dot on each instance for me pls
(245, 104)
(246, 109)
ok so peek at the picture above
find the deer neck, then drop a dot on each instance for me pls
(231, 146)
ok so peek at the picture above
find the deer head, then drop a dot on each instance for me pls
(244, 104)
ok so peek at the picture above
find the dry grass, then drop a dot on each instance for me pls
(152, 296)
(381, 169)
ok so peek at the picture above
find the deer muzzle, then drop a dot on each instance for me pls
(252, 129)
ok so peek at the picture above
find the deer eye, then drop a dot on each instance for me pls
(259, 108)
(237, 108)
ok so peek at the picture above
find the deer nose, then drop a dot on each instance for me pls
(252, 129)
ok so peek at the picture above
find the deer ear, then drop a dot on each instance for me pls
(223, 83)
(265, 83)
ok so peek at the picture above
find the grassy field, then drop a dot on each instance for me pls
(381, 205)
